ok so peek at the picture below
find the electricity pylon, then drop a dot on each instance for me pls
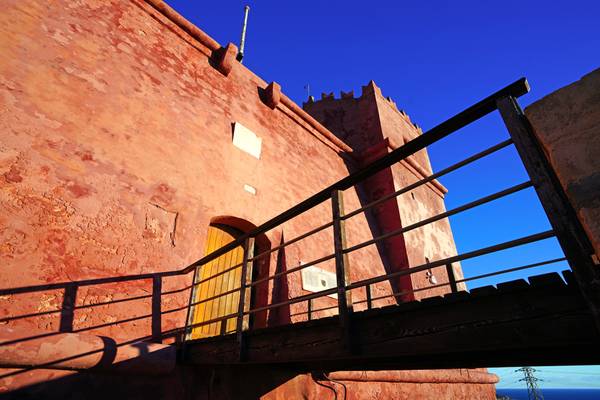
(533, 390)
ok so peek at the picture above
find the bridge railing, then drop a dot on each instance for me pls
(565, 225)
(148, 294)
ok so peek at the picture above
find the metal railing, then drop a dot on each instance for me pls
(572, 240)
(565, 227)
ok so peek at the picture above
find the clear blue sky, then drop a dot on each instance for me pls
(434, 59)
(578, 376)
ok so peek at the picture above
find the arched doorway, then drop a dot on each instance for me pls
(214, 280)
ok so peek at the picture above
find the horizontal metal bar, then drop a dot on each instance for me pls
(237, 289)
(509, 270)
(183, 289)
(295, 269)
(88, 282)
(314, 311)
(236, 266)
(473, 278)
(212, 321)
(172, 310)
(432, 177)
(84, 306)
(292, 241)
(473, 113)
(105, 303)
(472, 254)
(298, 299)
(396, 294)
(502, 272)
(443, 215)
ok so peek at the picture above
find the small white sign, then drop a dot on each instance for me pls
(250, 189)
(246, 140)
(316, 279)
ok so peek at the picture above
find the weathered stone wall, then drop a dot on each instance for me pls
(400, 385)
(567, 124)
(115, 155)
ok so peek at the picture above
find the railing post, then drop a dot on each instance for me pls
(341, 267)
(243, 321)
(187, 329)
(157, 309)
(369, 296)
(451, 278)
(569, 232)
(310, 307)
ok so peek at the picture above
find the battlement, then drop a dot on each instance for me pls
(368, 92)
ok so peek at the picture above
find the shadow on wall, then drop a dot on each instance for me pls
(150, 373)
(21, 350)
(100, 367)
(186, 382)
(68, 306)
(280, 315)
(94, 385)
(384, 218)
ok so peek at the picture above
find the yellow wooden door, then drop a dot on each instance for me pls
(213, 308)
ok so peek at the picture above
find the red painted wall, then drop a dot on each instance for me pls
(115, 155)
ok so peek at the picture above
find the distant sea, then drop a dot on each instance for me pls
(552, 394)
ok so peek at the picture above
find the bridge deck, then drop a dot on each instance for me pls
(541, 322)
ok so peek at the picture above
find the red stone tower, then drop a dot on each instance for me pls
(372, 125)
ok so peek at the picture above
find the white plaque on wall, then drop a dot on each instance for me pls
(246, 140)
(316, 279)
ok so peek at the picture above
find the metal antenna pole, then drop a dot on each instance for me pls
(240, 54)
(533, 391)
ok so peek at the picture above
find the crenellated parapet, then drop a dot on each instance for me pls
(367, 120)
(368, 91)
